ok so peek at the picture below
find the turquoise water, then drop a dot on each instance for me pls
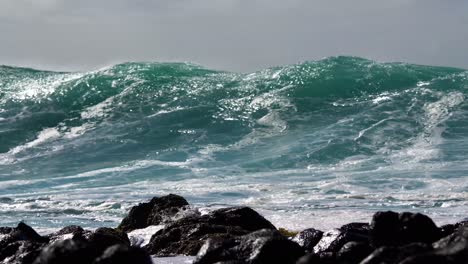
(308, 144)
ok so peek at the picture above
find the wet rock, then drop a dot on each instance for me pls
(105, 237)
(187, 235)
(159, 210)
(395, 255)
(20, 244)
(318, 258)
(308, 238)
(186, 239)
(70, 251)
(120, 254)
(243, 217)
(27, 233)
(24, 252)
(67, 232)
(393, 229)
(333, 240)
(84, 247)
(6, 230)
(385, 229)
(418, 228)
(447, 230)
(263, 246)
(451, 249)
(354, 252)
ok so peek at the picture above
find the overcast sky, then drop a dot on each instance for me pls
(237, 35)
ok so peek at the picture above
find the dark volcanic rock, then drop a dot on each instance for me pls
(396, 254)
(333, 240)
(70, 251)
(27, 233)
(157, 211)
(393, 229)
(120, 254)
(354, 252)
(385, 229)
(418, 228)
(84, 247)
(308, 238)
(318, 258)
(105, 237)
(186, 235)
(450, 249)
(263, 246)
(24, 252)
(21, 244)
(67, 232)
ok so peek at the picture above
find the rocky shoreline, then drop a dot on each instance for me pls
(239, 235)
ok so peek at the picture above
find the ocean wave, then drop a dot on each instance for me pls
(342, 124)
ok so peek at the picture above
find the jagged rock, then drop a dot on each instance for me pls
(70, 251)
(6, 230)
(308, 238)
(333, 240)
(159, 210)
(418, 228)
(21, 244)
(83, 248)
(318, 258)
(187, 239)
(393, 229)
(105, 237)
(263, 246)
(450, 249)
(27, 233)
(24, 252)
(354, 252)
(390, 255)
(447, 230)
(120, 254)
(186, 235)
(385, 229)
(67, 232)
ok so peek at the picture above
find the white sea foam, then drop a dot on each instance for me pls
(141, 237)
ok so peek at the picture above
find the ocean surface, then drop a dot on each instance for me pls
(315, 144)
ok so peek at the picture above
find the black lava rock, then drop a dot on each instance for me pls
(157, 211)
(263, 246)
(318, 258)
(395, 255)
(67, 232)
(120, 254)
(308, 238)
(21, 244)
(105, 237)
(333, 240)
(187, 235)
(393, 229)
(354, 252)
(385, 229)
(70, 251)
(27, 233)
(24, 252)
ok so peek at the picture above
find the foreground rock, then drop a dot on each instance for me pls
(263, 246)
(159, 210)
(240, 235)
(187, 235)
(21, 244)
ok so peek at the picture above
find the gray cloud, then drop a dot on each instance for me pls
(239, 35)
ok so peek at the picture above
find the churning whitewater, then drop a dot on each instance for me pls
(327, 142)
